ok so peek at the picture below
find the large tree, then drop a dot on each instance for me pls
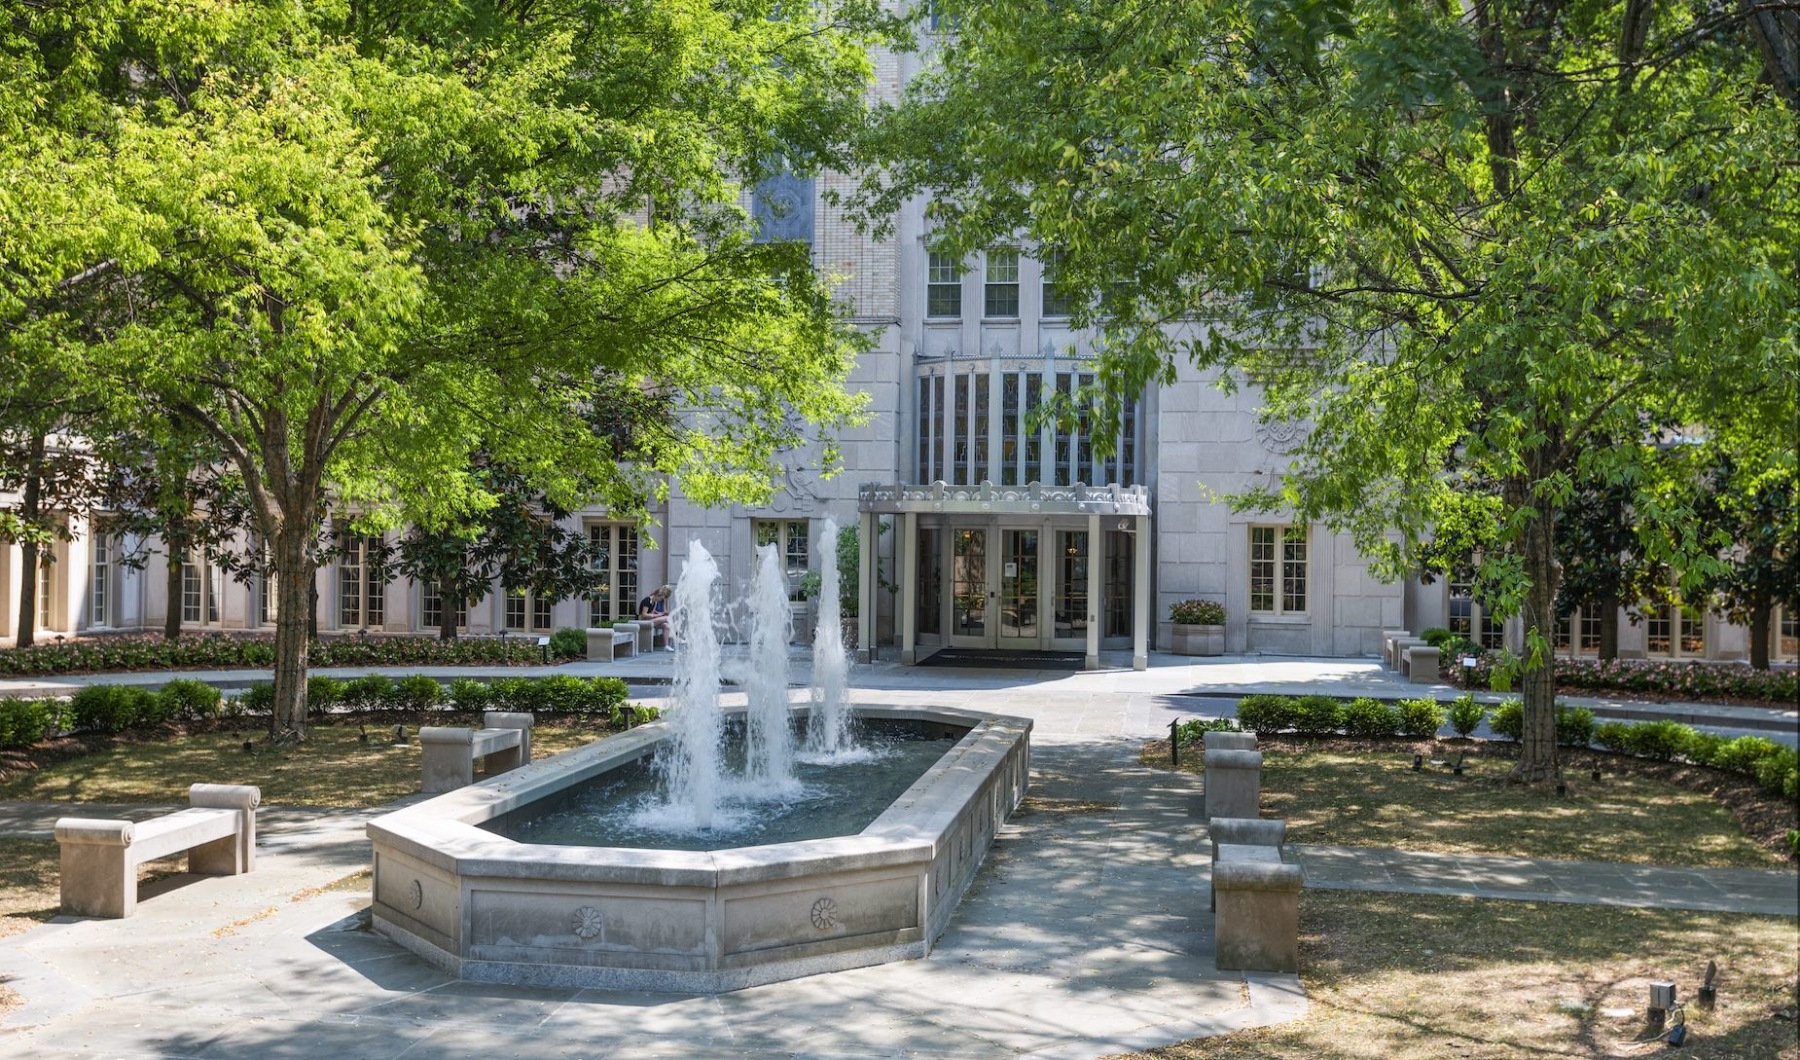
(1464, 243)
(356, 237)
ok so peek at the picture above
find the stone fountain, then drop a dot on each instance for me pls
(466, 880)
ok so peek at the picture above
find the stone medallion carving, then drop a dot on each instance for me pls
(1280, 436)
(587, 923)
(824, 914)
(417, 892)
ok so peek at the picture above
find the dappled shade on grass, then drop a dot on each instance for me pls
(1411, 977)
(1373, 798)
(333, 767)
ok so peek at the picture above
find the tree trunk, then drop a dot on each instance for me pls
(446, 609)
(28, 549)
(1759, 635)
(1537, 755)
(1609, 627)
(172, 590)
(294, 575)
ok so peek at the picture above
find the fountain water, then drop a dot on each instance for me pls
(770, 762)
(829, 734)
(692, 769)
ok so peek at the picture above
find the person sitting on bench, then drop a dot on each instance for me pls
(654, 609)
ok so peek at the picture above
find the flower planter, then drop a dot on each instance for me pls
(1198, 640)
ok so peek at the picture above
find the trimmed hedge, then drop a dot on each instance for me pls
(24, 722)
(1420, 718)
(1370, 719)
(1776, 769)
(1694, 680)
(1574, 725)
(1466, 715)
(1189, 733)
(1267, 715)
(124, 653)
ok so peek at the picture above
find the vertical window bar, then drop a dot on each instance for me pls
(979, 470)
(1034, 437)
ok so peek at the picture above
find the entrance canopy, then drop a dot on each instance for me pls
(1010, 568)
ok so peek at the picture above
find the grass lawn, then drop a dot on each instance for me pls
(1372, 798)
(1411, 977)
(334, 767)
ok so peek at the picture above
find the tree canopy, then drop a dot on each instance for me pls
(350, 240)
(1464, 244)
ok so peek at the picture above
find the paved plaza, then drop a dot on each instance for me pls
(1085, 933)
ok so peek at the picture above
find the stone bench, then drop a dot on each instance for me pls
(1228, 741)
(449, 752)
(1393, 649)
(611, 642)
(1256, 895)
(1233, 782)
(100, 858)
(1420, 665)
(1243, 831)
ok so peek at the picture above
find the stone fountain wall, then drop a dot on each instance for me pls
(495, 910)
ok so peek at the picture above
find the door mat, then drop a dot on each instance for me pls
(1005, 659)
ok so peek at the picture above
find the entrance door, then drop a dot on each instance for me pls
(1070, 615)
(1020, 607)
(972, 596)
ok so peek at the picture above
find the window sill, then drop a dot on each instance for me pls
(1280, 618)
(1000, 320)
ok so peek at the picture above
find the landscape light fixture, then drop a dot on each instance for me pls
(1418, 763)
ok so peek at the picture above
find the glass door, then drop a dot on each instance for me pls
(971, 592)
(1069, 628)
(1019, 586)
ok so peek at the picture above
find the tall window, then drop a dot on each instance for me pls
(1121, 583)
(528, 611)
(201, 583)
(1278, 569)
(1786, 626)
(954, 419)
(100, 589)
(1002, 289)
(1056, 298)
(1674, 631)
(615, 546)
(943, 286)
(362, 591)
(1071, 584)
(1579, 634)
(790, 537)
(1473, 620)
(432, 616)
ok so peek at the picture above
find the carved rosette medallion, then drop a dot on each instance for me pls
(824, 914)
(587, 923)
(417, 891)
(1280, 436)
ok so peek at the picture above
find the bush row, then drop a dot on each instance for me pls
(1692, 680)
(1774, 767)
(1325, 715)
(103, 654)
(1574, 725)
(115, 708)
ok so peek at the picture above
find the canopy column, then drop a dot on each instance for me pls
(1140, 594)
(908, 548)
(866, 544)
(1095, 554)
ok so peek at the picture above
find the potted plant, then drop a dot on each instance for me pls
(1199, 627)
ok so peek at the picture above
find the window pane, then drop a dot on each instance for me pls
(978, 464)
(1657, 631)
(1002, 284)
(929, 583)
(1034, 456)
(1262, 568)
(515, 611)
(926, 432)
(959, 434)
(1010, 428)
(1120, 584)
(943, 287)
(1293, 569)
(102, 581)
(540, 612)
(1056, 300)
(1072, 588)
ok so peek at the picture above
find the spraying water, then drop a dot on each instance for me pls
(692, 771)
(770, 761)
(829, 734)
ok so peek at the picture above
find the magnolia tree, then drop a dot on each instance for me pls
(1464, 245)
(354, 239)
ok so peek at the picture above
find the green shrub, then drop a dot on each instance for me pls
(323, 693)
(24, 722)
(611, 693)
(1466, 714)
(1742, 754)
(1574, 726)
(112, 708)
(1420, 718)
(371, 692)
(1614, 736)
(1702, 748)
(1317, 715)
(1508, 720)
(510, 693)
(1197, 613)
(1265, 715)
(259, 698)
(1776, 772)
(416, 692)
(469, 695)
(1793, 838)
(1186, 734)
(569, 643)
(1370, 718)
(1659, 740)
(560, 694)
(1437, 637)
(190, 700)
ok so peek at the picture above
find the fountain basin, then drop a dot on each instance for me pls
(491, 909)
